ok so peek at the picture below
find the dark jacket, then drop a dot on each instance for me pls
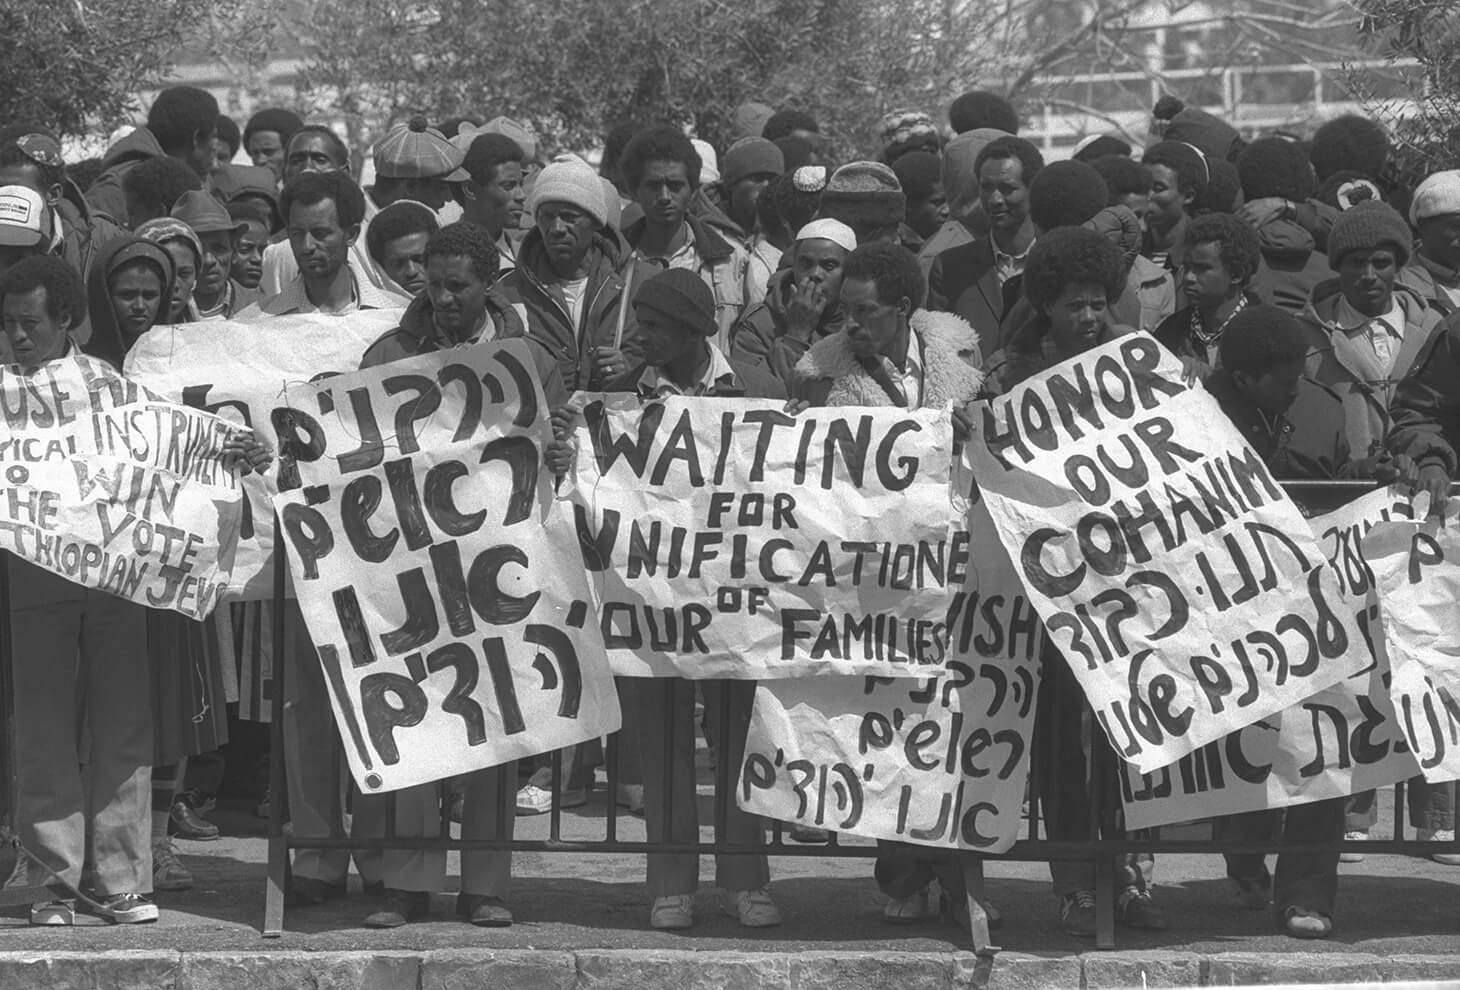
(106, 194)
(759, 336)
(1031, 351)
(1292, 265)
(1365, 402)
(965, 281)
(417, 335)
(605, 308)
(1426, 277)
(1305, 443)
(1426, 407)
(1175, 334)
(720, 264)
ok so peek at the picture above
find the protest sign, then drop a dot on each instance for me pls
(439, 579)
(1343, 740)
(1178, 580)
(1416, 568)
(115, 489)
(239, 370)
(936, 761)
(726, 538)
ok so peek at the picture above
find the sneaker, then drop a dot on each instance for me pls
(630, 796)
(809, 835)
(400, 907)
(483, 911)
(127, 909)
(186, 823)
(1441, 835)
(534, 800)
(52, 913)
(908, 910)
(168, 872)
(673, 913)
(1304, 922)
(1136, 908)
(1253, 892)
(1352, 857)
(754, 908)
(1077, 913)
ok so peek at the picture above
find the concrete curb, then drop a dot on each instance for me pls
(652, 969)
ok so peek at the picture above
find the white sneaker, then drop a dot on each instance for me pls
(1441, 835)
(673, 913)
(754, 908)
(534, 800)
(1353, 857)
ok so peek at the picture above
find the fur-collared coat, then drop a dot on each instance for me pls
(829, 374)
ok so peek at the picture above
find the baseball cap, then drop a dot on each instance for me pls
(25, 220)
(415, 150)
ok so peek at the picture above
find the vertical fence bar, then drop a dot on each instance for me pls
(278, 876)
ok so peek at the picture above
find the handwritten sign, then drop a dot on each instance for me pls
(939, 761)
(725, 538)
(112, 488)
(1417, 571)
(438, 577)
(1343, 740)
(239, 371)
(1173, 574)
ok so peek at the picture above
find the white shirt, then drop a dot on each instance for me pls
(910, 379)
(1006, 266)
(573, 293)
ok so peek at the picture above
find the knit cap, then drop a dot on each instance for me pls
(751, 156)
(1436, 196)
(683, 297)
(864, 194)
(1366, 226)
(570, 181)
(918, 172)
(960, 180)
(1066, 194)
(415, 150)
(282, 122)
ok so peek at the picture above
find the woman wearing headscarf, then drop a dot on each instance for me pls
(186, 251)
(133, 288)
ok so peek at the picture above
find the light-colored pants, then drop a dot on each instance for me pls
(666, 705)
(317, 785)
(488, 799)
(74, 660)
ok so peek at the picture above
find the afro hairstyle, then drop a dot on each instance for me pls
(1260, 338)
(1069, 256)
(892, 268)
(980, 108)
(659, 143)
(1236, 242)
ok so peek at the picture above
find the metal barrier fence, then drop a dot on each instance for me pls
(1105, 840)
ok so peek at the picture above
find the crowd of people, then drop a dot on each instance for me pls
(1309, 295)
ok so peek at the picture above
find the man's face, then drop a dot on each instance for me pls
(743, 197)
(202, 158)
(1078, 318)
(136, 297)
(1366, 278)
(925, 216)
(248, 255)
(663, 193)
(311, 152)
(817, 260)
(497, 204)
(217, 262)
(222, 154)
(35, 336)
(872, 325)
(1003, 194)
(567, 234)
(320, 244)
(265, 148)
(404, 261)
(458, 296)
(1274, 390)
(1167, 203)
(664, 340)
(1440, 236)
(184, 277)
(1205, 279)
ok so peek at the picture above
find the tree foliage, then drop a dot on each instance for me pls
(1426, 133)
(78, 65)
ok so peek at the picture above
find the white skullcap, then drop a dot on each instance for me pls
(829, 230)
(1436, 196)
(709, 162)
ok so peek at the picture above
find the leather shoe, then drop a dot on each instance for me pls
(400, 907)
(483, 911)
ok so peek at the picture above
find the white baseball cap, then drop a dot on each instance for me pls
(25, 220)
